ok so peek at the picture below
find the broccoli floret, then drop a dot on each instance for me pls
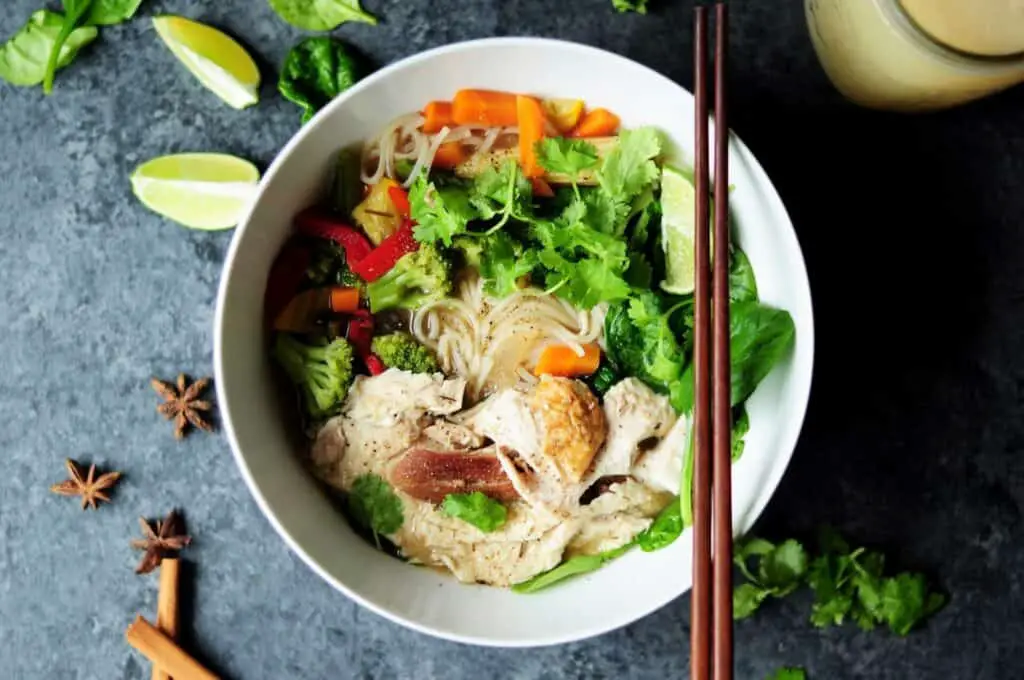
(404, 352)
(472, 250)
(322, 371)
(417, 278)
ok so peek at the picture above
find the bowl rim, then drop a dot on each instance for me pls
(768, 489)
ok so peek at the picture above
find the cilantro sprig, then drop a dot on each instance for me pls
(848, 584)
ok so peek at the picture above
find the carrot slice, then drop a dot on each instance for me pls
(344, 299)
(563, 361)
(597, 123)
(484, 107)
(449, 155)
(531, 131)
(437, 115)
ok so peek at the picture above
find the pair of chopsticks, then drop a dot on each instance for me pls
(711, 645)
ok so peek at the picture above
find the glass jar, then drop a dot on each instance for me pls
(918, 55)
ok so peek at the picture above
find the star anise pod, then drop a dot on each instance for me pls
(168, 537)
(90, 488)
(183, 405)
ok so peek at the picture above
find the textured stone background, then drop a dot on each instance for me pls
(911, 228)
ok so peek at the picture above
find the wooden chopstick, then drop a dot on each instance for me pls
(721, 427)
(700, 603)
(711, 644)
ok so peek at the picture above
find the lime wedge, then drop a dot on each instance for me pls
(198, 190)
(220, 63)
(678, 203)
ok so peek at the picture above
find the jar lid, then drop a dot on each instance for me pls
(989, 28)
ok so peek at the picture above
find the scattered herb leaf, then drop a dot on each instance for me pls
(638, 6)
(321, 15)
(316, 71)
(375, 505)
(788, 674)
(476, 508)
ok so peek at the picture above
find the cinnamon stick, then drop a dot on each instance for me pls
(167, 607)
(163, 652)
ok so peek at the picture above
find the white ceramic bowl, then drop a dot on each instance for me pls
(423, 599)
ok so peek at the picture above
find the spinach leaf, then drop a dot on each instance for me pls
(638, 6)
(321, 15)
(742, 284)
(581, 564)
(74, 12)
(24, 58)
(604, 377)
(480, 510)
(110, 12)
(759, 336)
(316, 71)
(740, 427)
(664, 530)
(374, 505)
(788, 674)
(640, 339)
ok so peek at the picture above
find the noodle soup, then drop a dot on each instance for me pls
(488, 329)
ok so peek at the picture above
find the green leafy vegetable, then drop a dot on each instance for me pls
(742, 285)
(321, 15)
(640, 339)
(581, 564)
(566, 156)
(74, 13)
(375, 506)
(847, 584)
(328, 266)
(316, 71)
(604, 377)
(630, 167)
(502, 193)
(740, 427)
(24, 58)
(664, 530)
(759, 336)
(402, 351)
(440, 213)
(322, 371)
(480, 510)
(500, 259)
(638, 6)
(110, 12)
(788, 674)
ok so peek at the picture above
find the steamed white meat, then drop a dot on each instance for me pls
(615, 517)
(636, 416)
(662, 467)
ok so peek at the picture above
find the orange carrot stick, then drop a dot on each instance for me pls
(484, 107)
(438, 115)
(562, 360)
(344, 299)
(449, 155)
(597, 123)
(531, 130)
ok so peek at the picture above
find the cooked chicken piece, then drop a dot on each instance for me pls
(453, 436)
(572, 423)
(431, 475)
(613, 519)
(637, 417)
(382, 417)
(662, 466)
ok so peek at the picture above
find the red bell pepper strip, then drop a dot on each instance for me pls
(360, 333)
(380, 261)
(313, 222)
(286, 275)
(375, 365)
(400, 199)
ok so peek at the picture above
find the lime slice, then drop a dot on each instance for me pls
(198, 190)
(220, 63)
(678, 203)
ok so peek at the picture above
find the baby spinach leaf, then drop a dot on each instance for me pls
(740, 427)
(742, 284)
(476, 508)
(374, 505)
(110, 12)
(788, 674)
(321, 15)
(23, 58)
(581, 564)
(664, 530)
(638, 6)
(316, 71)
(74, 13)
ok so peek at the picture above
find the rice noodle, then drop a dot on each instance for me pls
(493, 343)
(425, 159)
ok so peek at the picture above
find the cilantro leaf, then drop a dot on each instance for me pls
(740, 427)
(629, 168)
(788, 674)
(504, 193)
(476, 508)
(375, 505)
(783, 568)
(440, 213)
(747, 599)
(566, 156)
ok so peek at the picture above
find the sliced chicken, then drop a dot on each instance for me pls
(573, 425)
(453, 436)
(637, 417)
(662, 466)
(616, 517)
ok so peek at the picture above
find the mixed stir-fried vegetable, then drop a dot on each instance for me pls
(574, 207)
